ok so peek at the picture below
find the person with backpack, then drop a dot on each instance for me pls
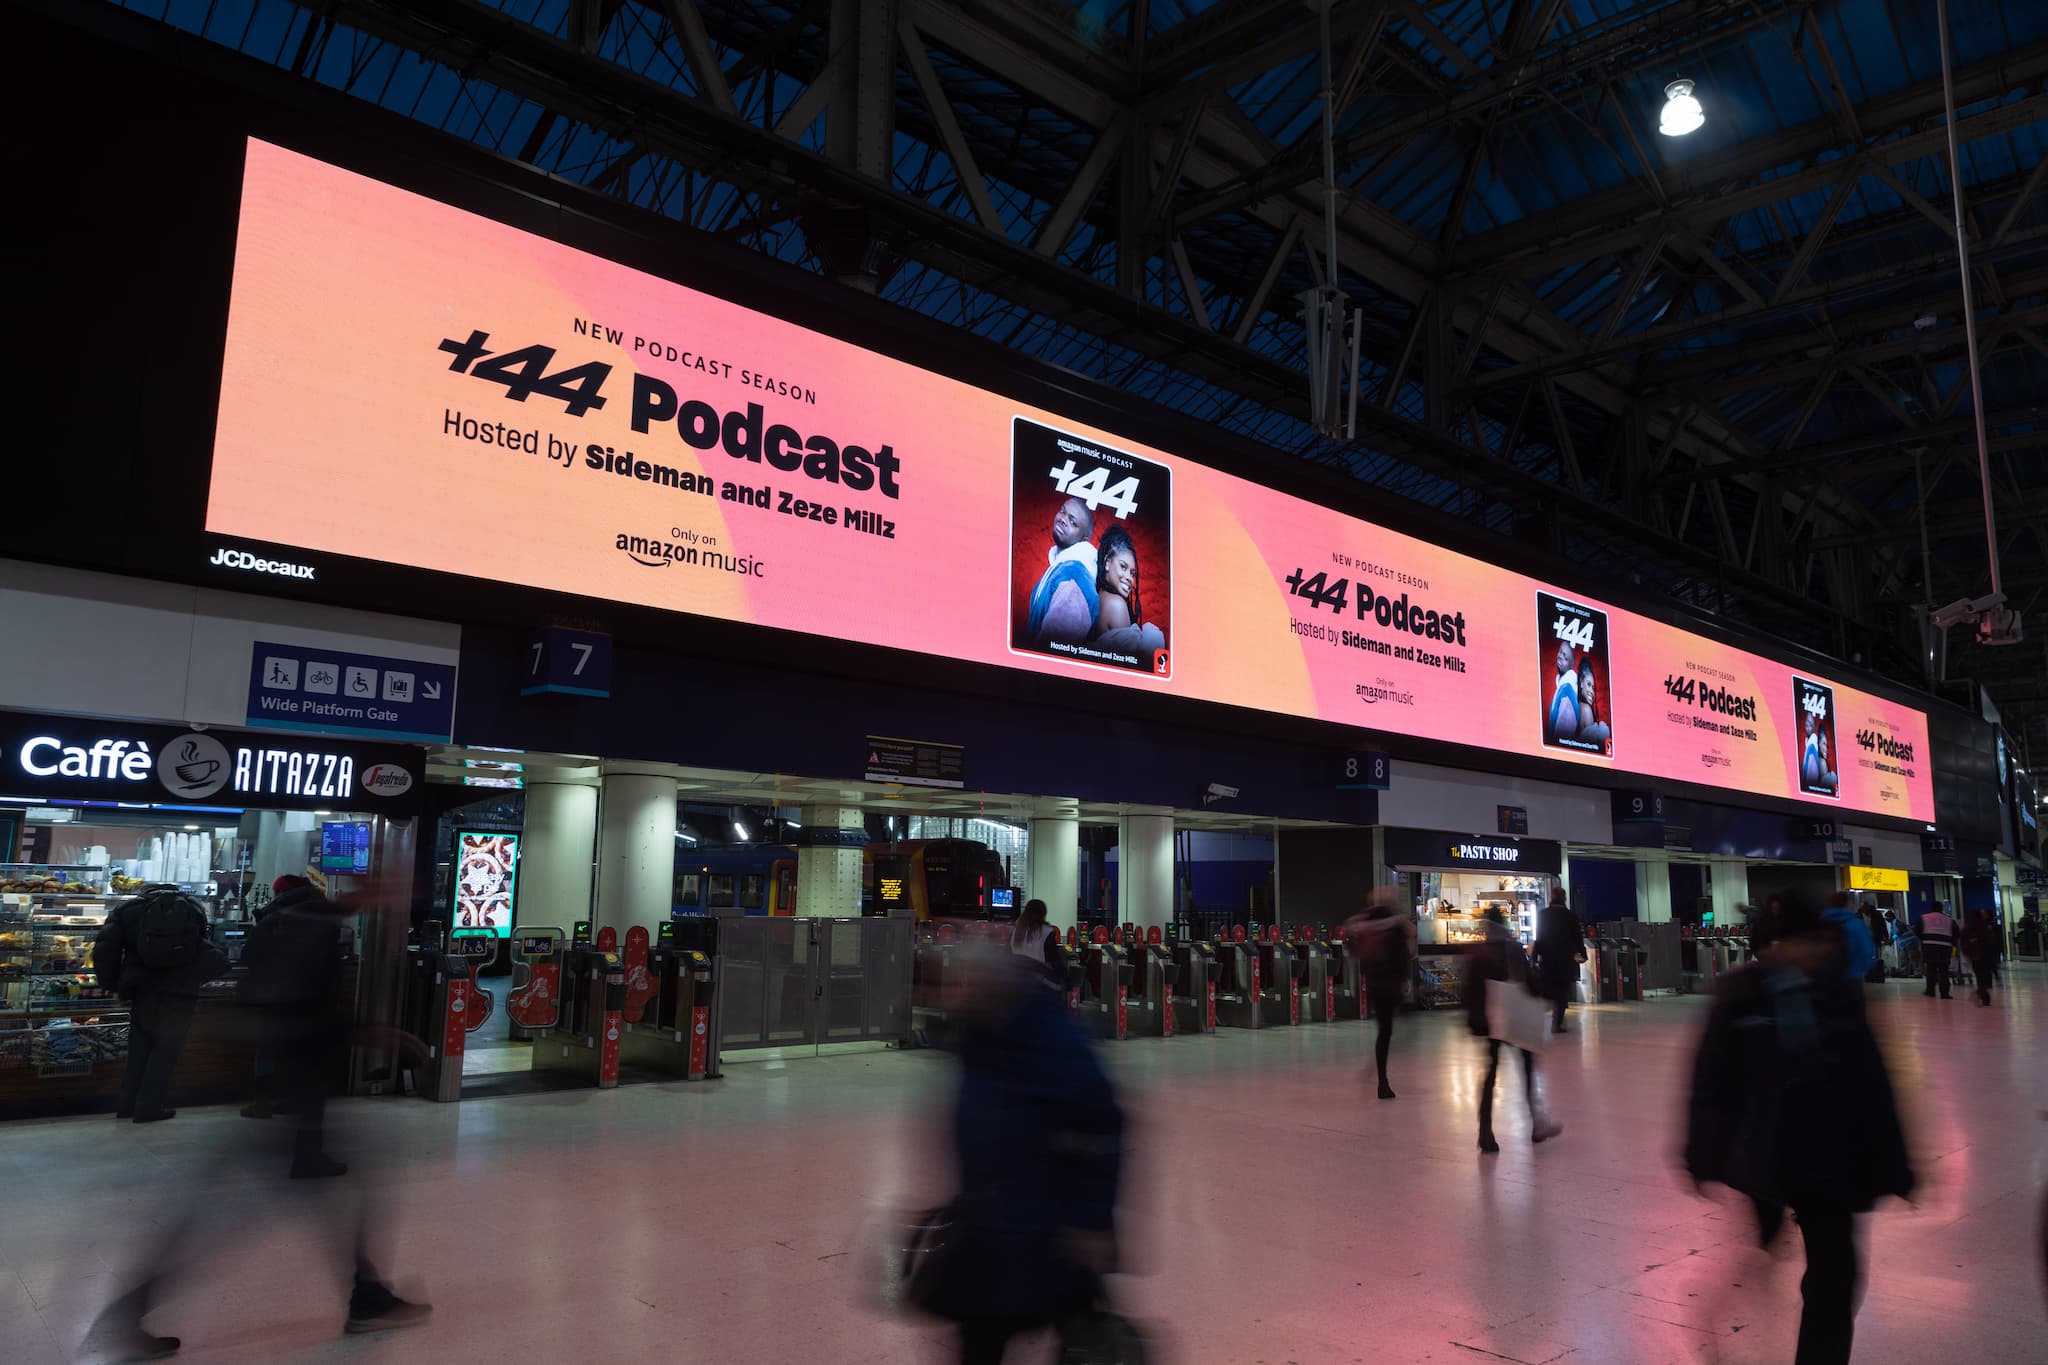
(1560, 948)
(155, 953)
(1384, 943)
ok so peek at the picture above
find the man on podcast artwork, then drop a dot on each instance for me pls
(1065, 604)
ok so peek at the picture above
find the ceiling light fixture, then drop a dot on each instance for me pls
(1682, 112)
(741, 830)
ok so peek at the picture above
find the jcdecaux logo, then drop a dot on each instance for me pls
(225, 558)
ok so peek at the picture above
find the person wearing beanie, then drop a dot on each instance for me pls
(1791, 1106)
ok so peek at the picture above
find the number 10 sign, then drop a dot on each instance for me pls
(577, 663)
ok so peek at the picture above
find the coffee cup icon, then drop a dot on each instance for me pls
(194, 766)
(196, 773)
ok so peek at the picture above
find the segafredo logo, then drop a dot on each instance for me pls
(386, 779)
(241, 559)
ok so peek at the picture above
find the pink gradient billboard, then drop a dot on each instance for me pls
(408, 382)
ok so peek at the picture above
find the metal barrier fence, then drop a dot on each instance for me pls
(803, 982)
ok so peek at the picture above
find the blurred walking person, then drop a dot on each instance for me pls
(1791, 1106)
(1496, 992)
(1560, 948)
(1384, 942)
(1981, 941)
(290, 1006)
(1937, 947)
(156, 953)
(1038, 1138)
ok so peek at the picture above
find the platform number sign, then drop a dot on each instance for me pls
(1364, 770)
(575, 663)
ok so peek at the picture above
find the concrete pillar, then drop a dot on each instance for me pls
(1730, 877)
(1653, 888)
(828, 875)
(1144, 870)
(557, 851)
(1052, 870)
(636, 850)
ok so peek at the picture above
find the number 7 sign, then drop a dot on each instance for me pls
(575, 663)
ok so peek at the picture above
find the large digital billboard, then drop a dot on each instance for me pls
(411, 383)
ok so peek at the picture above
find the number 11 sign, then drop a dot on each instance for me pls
(576, 663)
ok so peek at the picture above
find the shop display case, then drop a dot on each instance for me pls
(55, 1021)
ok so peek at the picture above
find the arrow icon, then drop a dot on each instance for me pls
(431, 691)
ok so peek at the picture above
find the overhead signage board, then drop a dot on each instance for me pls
(915, 762)
(65, 759)
(611, 434)
(1877, 878)
(1412, 849)
(317, 690)
(574, 663)
(1370, 770)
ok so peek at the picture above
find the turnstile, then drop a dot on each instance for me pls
(1196, 971)
(441, 999)
(1106, 991)
(1318, 986)
(1281, 971)
(584, 1041)
(1237, 985)
(1153, 990)
(669, 1005)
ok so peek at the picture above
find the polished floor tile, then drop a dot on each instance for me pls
(1276, 1212)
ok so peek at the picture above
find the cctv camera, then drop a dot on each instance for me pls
(1221, 792)
(1965, 609)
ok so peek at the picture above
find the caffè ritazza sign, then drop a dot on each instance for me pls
(55, 759)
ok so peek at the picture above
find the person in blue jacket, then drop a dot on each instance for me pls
(1038, 1136)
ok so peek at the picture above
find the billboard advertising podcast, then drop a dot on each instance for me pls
(612, 434)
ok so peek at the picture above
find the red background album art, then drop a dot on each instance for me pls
(1581, 623)
(1035, 499)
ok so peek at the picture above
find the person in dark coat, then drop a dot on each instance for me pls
(161, 997)
(1498, 963)
(1038, 1136)
(292, 968)
(1791, 1106)
(1383, 940)
(1560, 948)
(1980, 944)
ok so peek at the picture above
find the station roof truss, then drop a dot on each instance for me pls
(1728, 368)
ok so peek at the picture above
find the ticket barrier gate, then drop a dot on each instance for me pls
(444, 1006)
(534, 1003)
(1196, 972)
(1238, 981)
(1628, 975)
(668, 1008)
(1318, 986)
(584, 1041)
(1347, 987)
(1154, 986)
(1106, 989)
(1281, 970)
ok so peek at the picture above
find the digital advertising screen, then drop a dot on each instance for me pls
(615, 435)
(486, 876)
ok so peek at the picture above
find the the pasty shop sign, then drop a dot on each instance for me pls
(52, 759)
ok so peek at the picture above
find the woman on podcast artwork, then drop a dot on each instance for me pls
(1120, 625)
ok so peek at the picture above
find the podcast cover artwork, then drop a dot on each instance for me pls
(1814, 704)
(1571, 660)
(1091, 551)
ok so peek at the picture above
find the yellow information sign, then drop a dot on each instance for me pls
(1877, 879)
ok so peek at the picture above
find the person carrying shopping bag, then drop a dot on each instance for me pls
(1501, 1008)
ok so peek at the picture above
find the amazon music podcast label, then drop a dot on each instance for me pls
(1091, 551)
(1814, 704)
(1571, 663)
